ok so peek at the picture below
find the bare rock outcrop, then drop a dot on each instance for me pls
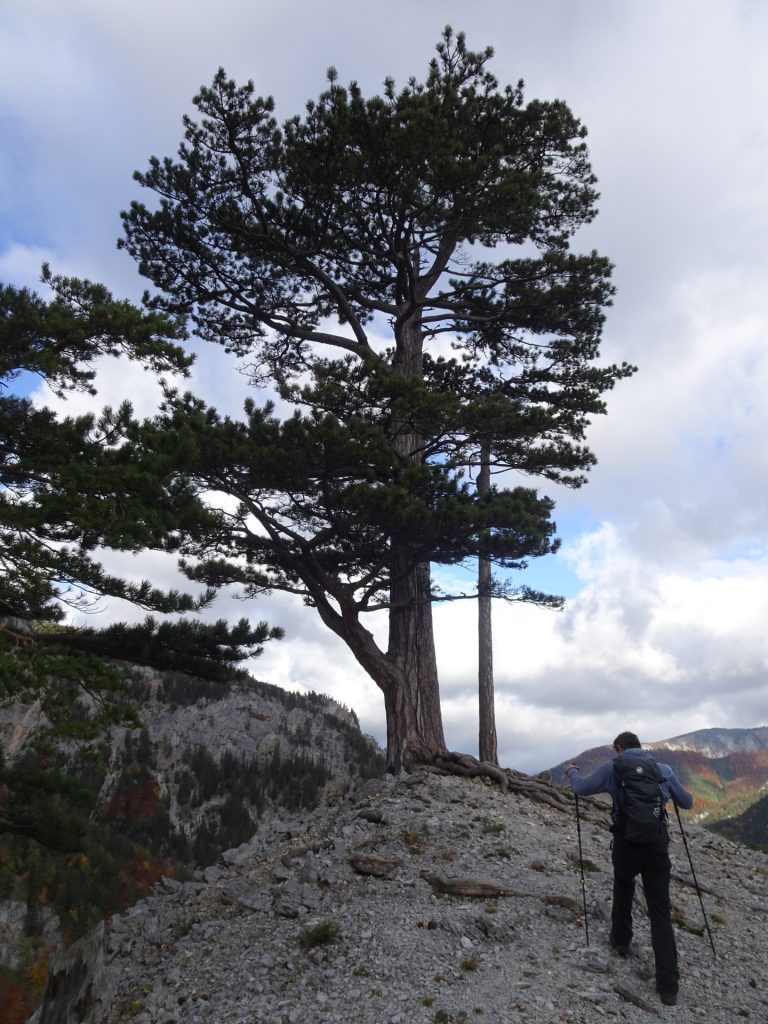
(478, 916)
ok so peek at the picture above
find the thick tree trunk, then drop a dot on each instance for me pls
(487, 733)
(406, 674)
(414, 719)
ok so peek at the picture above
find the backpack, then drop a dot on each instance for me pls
(641, 815)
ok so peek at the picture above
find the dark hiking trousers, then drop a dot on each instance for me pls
(651, 862)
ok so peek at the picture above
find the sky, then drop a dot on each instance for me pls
(664, 556)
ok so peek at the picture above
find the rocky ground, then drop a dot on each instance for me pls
(423, 899)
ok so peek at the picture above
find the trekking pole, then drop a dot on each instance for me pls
(581, 869)
(695, 881)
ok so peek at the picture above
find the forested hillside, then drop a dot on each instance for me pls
(750, 827)
(210, 763)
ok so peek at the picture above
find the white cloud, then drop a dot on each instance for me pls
(639, 647)
(665, 633)
(20, 265)
(681, 457)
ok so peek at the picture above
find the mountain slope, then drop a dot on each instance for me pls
(212, 764)
(356, 913)
(718, 742)
(750, 827)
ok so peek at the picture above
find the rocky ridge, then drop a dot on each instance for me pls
(421, 899)
(246, 718)
(717, 742)
(249, 721)
(315, 743)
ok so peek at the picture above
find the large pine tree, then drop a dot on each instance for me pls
(399, 268)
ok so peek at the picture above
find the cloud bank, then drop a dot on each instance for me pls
(665, 554)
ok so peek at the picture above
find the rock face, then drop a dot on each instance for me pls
(81, 988)
(212, 764)
(718, 742)
(249, 722)
(198, 737)
(423, 899)
(13, 916)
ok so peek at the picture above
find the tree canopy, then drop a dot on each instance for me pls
(399, 269)
(70, 487)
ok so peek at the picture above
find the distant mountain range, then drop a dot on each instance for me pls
(725, 769)
(718, 742)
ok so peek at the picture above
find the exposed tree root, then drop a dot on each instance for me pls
(634, 998)
(488, 888)
(453, 763)
(482, 888)
(535, 787)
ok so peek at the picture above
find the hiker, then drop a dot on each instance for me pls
(639, 787)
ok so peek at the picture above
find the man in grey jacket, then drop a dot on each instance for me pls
(650, 860)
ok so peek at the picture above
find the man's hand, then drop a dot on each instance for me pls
(571, 768)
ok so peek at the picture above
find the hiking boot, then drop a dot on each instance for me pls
(669, 998)
(618, 947)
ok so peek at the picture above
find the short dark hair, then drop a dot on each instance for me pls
(626, 741)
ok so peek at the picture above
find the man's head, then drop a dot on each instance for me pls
(625, 741)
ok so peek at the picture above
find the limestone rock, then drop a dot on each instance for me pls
(494, 940)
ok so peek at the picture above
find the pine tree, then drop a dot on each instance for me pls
(69, 487)
(439, 216)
